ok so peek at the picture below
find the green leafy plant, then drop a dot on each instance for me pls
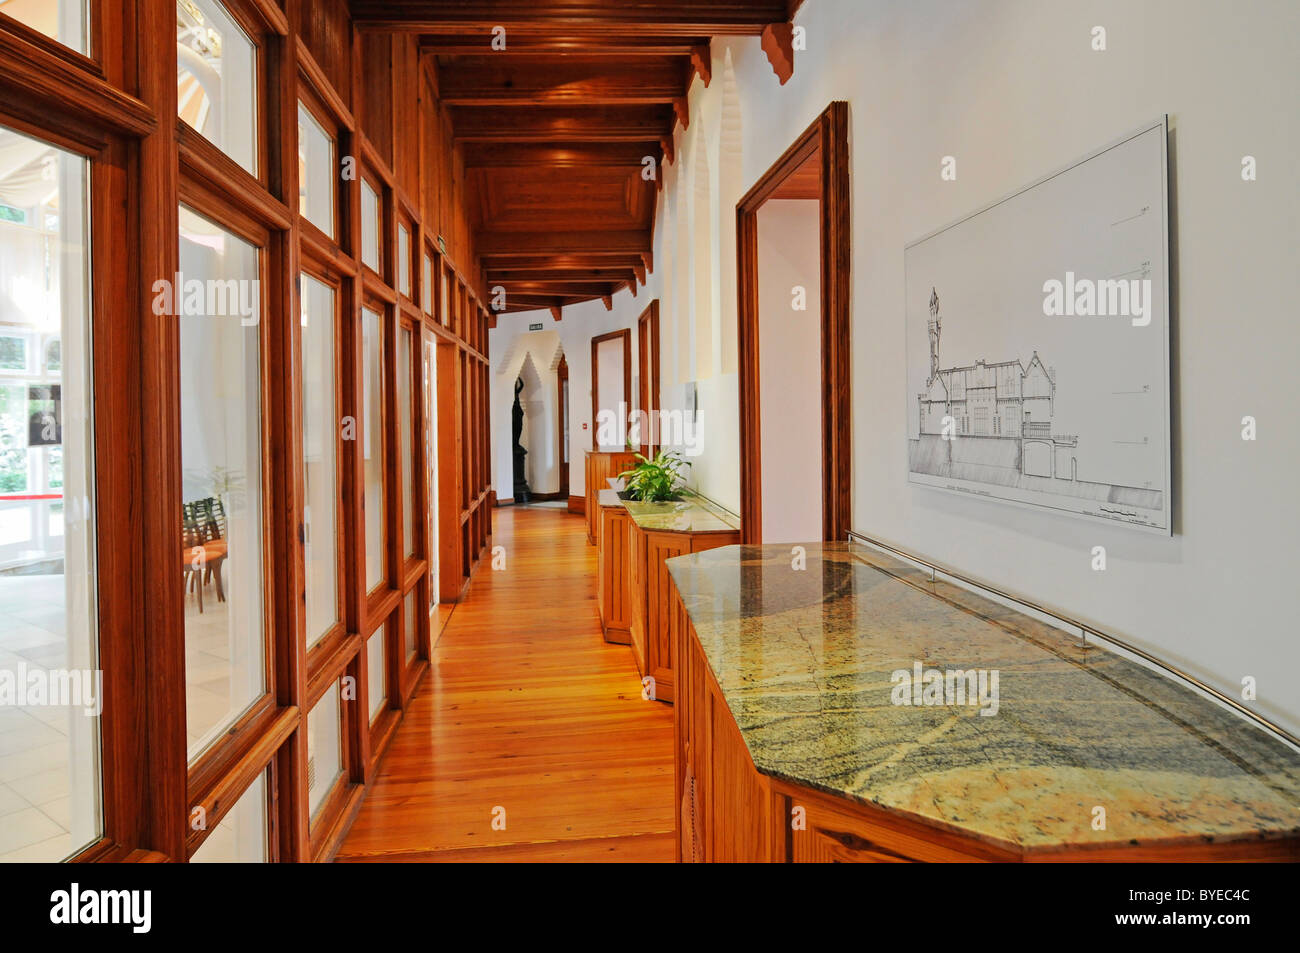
(657, 480)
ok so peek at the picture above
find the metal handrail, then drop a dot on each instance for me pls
(1084, 627)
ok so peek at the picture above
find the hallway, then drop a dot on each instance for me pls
(526, 708)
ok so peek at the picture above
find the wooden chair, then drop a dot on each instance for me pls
(204, 546)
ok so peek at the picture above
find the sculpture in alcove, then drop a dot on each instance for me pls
(517, 420)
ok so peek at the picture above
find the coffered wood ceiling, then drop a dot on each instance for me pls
(555, 128)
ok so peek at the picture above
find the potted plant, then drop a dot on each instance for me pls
(656, 480)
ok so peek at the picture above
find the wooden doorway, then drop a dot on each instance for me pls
(615, 351)
(815, 167)
(647, 347)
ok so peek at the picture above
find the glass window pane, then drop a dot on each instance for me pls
(403, 261)
(426, 287)
(376, 671)
(242, 837)
(64, 20)
(404, 418)
(431, 465)
(216, 79)
(372, 430)
(320, 470)
(315, 172)
(446, 301)
(49, 742)
(369, 226)
(324, 748)
(412, 627)
(221, 471)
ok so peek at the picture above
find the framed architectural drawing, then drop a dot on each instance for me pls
(1038, 342)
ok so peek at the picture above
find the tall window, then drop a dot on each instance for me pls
(63, 20)
(319, 463)
(49, 742)
(243, 835)
(405, 355)
(370, 226)
(404, 261)
(376, 671)
(372, 431)
(217, 79)
(316, 166)
(220, 565)
(324, 748)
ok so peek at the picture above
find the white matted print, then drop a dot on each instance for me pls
(1038, 342)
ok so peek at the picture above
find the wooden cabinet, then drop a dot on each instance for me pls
(730, 812)
(614, 583)
(601, 465)
(656, 614)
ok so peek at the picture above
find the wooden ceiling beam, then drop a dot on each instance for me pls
(633, 123)
(558, 81)
(520, 42)
(571, 155)
(592, 244)
(572, 17)
(572, 261)
(504, 276)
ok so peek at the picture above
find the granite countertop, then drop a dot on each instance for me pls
(809, 660)
(693, 514)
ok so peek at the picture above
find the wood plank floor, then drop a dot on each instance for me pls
(526, 708)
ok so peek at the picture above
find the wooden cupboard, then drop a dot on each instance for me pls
(657, 616)
(613, 586)
(729, 812)
(601, 465)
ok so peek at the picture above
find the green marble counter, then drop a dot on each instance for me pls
(692, 514)
(809, 662)
(608, 497)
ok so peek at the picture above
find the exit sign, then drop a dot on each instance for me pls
(534, 327)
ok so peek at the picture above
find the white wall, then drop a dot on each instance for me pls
(789, 349)
(1013, 90)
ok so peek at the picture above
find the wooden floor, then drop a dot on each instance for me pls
(527, 709)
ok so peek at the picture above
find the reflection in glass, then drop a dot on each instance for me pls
(242, 835)
(426, 287)
(369, 226)
(404, 418)
(372, 428)
(376, 671)
(217, 79)
(412, 627)
(220, 564)
(403, 261)
(64, 20)
(315, 172)
(320, 474)
(49, 752)
(324, 748)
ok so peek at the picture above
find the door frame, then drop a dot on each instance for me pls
(647, 347)
(626, 336)
(829, 134)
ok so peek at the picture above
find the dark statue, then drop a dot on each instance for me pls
(517, 420)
